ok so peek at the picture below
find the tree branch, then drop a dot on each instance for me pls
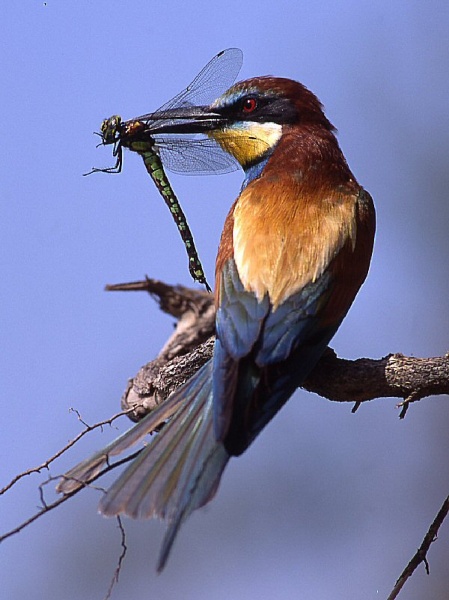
(46, 464)
(336, 379)
(421, 554)
(191, 345)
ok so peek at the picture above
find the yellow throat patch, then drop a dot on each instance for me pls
(247, 142)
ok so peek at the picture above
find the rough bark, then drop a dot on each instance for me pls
(337, 379)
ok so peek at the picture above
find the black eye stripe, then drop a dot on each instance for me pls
(260, 107)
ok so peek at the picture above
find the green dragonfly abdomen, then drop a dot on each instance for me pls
(204, 155)
(156, 171)
(126, 134)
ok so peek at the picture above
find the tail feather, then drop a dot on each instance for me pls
(198, 482)
(180, 469)
(134, 493)
(85, 471)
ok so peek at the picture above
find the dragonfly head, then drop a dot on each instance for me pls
(110, 129)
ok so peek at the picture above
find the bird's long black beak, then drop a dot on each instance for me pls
(186, 119)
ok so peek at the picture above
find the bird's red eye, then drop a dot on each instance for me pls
(249, 105)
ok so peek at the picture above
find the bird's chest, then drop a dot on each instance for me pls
(284, 238)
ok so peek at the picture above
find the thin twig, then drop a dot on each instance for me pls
(46, 464)
(48, 507)
(421, 553)
(121, 558)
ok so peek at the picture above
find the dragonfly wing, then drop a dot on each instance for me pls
(214, 79)
(196, 155)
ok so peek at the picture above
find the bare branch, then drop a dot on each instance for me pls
(46, 508)
(191, 345)
(336, 379)
(47, 463)
(333, 378)
(365, 379)
(194, 310)
(121, 558)
(421, 553)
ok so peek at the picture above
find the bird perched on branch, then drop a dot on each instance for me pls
(294, 251)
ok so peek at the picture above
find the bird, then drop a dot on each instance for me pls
(295, 248)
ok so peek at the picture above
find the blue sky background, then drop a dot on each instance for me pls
(325, 504)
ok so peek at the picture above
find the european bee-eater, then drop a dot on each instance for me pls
(294, 251)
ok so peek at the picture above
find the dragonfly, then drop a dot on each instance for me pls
(189, 154)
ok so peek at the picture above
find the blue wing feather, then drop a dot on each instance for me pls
(261, 355)
(240, 315)
(292, 323)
